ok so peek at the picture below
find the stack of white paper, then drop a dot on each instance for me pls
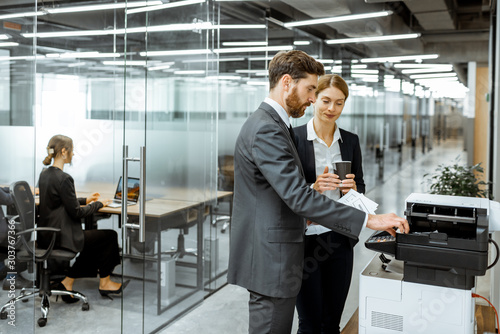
(359, 201)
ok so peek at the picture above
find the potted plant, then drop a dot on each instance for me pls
(458, 180)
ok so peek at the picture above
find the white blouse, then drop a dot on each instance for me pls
(324, 156)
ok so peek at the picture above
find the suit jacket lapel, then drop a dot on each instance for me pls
(274, 115)
(345, 148)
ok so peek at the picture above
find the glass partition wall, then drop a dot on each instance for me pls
(157, 91)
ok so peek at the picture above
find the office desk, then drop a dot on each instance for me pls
(194, 204)
(162, 214)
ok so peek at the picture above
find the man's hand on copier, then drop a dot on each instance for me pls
(389, 222)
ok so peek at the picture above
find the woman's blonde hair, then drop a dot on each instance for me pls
(55, 146)
(332, 80)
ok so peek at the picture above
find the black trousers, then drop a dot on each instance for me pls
(326, 279)
(100, 255)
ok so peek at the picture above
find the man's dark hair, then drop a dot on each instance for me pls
(296, 63)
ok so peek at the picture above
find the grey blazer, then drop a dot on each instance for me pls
(271, 200)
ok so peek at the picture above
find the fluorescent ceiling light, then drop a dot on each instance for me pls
(171, 27)
(244, 43)
(359, 66)
(76, 9)
(260, 58)
(421, 65)
(399, 58)
(212, 60)
(175, 52)
(125, 63)
(159, 28)
(8, 44)
(165, 6)
(252, 72)
(329, 61)
(70, 33)
(4, 36)
(337, 19)
(240, 26)
(438, 75)
(163, 66)
(362, 71)
(24, 14)
(90, 54)
(77, 64)
(190, 72)
(223, 77)
(23, 57)
(437, 81)
(301, 42)
(326, 61)
(275, 21)
(231, 59)
(255, 49)
(447, 79)
(427, 70)
(359, 75)
(371, 39)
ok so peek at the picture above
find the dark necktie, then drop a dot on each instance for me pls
(292, 134)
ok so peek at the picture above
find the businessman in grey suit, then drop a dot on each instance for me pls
(272, 198)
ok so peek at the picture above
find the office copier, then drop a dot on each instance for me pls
(424, 280)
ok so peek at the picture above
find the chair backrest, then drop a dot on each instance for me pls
(24, 203)
(26, 209)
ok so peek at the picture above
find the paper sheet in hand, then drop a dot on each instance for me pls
(358, 201)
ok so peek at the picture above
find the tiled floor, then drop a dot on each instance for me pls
(227, 312)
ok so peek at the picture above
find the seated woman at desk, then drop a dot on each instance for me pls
(60, 208)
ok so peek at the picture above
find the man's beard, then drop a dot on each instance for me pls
(295, 107)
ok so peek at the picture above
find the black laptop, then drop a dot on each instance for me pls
(132, 192)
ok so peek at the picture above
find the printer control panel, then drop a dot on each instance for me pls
(378, 237)
(383, 242)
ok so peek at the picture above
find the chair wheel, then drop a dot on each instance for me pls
(42, 322)
(85, 307)
(3, 315)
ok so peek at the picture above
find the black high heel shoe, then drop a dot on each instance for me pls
(66, 298)
(107, 293)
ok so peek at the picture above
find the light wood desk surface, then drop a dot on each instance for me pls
(107, 190)
(176, 200)
(179, 199)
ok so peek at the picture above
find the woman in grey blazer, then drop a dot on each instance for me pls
(320, 144)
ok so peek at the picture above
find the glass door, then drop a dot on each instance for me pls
(134, 85)
(168, 129)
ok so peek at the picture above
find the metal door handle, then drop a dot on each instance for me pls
(142, 192)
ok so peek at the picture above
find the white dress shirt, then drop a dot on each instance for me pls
(279, 109)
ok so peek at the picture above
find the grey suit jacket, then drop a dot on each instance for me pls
(271, 200)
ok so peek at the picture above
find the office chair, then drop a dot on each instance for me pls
(28, 251)
(225, 182)
(183, 221)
